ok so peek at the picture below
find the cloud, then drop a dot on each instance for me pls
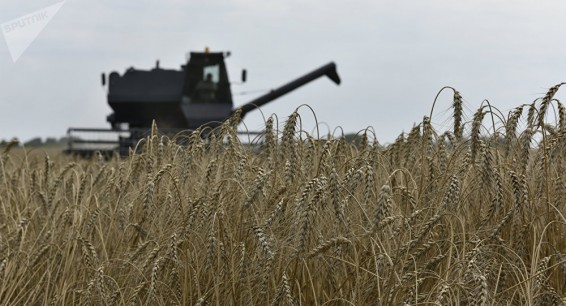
(392, 55)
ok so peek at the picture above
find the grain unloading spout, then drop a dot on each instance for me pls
(328, 70)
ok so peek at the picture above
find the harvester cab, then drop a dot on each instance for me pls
(197, 95)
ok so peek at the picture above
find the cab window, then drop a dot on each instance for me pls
(213, 70)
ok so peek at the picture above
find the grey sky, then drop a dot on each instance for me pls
(393, 56)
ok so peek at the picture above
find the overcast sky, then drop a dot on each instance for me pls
(393, 56)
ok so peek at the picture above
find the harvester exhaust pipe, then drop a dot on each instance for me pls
(329, 70)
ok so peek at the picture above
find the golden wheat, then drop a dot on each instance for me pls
(465, 216)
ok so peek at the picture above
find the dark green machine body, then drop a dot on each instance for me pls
(197, 95)
(172, 98)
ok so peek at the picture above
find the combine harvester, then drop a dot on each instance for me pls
(197, 95)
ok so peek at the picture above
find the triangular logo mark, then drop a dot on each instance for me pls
(21, 32)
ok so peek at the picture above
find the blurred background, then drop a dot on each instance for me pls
(393, 57)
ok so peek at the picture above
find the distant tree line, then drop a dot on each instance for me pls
(37, 142)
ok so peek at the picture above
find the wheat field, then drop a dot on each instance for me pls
(470, 215)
